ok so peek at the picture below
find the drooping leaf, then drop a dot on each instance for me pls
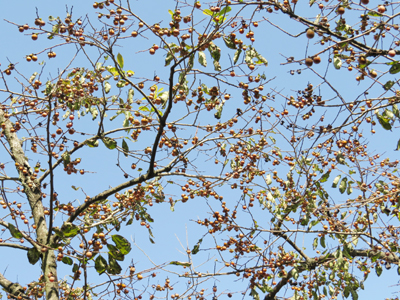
(113, 267)
(349, 187)
(14, 231)
(322, 241)
(336, 181)
(254, 294)
(378, 270)
(107, 87)
(202, 59)
(109, 142)
(236, 56)
(33, 255)
(115, 252)
(196, 247)
(120, 60)
(100, 264)
(343, 185)
(340, 158)
(325, 177)
(229, 43)
(398, 145)
(125, 148)
(384, 123)
(66, 157)
(337, 62)
(315, 243)
(169, 58)
(122, 243)
(217, 66)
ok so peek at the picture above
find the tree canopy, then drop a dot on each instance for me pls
(265, 130)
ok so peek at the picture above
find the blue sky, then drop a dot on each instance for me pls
(171, 229)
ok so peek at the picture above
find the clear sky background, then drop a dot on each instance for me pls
(171, 229)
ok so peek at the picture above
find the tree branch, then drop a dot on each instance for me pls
(12, 288)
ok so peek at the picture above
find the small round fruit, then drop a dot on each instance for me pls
(152, 51)
(341, 10)
(139, 276)
(134, 34)
(232, 73)
(309, 61)
(392, 53)
(317, 59)
(89, 254)
(34, 36)
(310, 33)
(252, 67)
(373, 74)
(381, 9)
(365, 2)
(197, 4)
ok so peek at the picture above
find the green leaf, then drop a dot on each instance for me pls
(214, 51)
(169, 58)
(75, 268)
(113, 267)
(354, 294)
(325, 177)
(33, 255)
(322, 241)
(378, 270)
(268, 179)
(340, 158)
(115, 252)
(66, 157)
(67, 260)
(208, 12)
(122, 243)
(92, 143)
(229, 43)
(217, 66)
(180, 263)
(395, 68)
(196, 248)
(112, 70)
(388, 85)
(100, 264)
(107, 87)
(32, 78)
(398, 146)
(69, 229)
(343, 185)
(131, 93)
(349, 188)
(236, 56)
(374, 14)
(109, 142)
(337, 62)
(254, 294)
(311, 2)
(120, 60)
(125, 148)
(202, 59)
(315, 243)
(94, 112)
(336, 181)
(14, 231)
(384, 123)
